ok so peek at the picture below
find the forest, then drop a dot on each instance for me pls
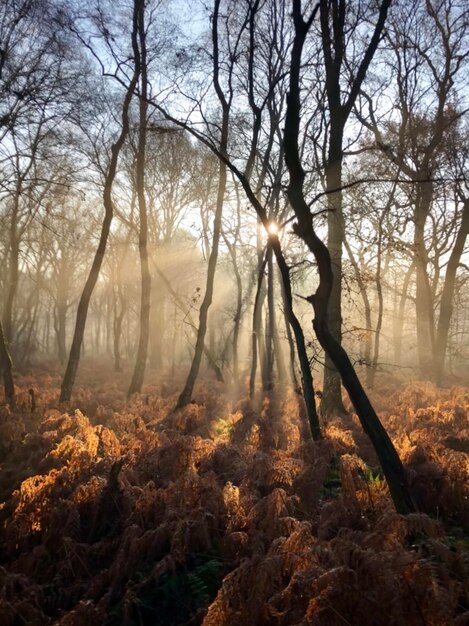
(234, 312)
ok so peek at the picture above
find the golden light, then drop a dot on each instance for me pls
(272, 228)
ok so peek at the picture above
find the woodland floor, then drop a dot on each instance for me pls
(123, 513)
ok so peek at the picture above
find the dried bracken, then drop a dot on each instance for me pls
(131, 514)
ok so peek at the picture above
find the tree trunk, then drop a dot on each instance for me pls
(186, 393)
(157, 316)
(118, 319)
(380, 311)
(61, 320)
(13, 270)
(7, 368)
(83, 305)
(256, 345)
(398, 326)
(366, 304)
(334, 44)
(447, 295)
(331, 403)
(389, 459)
(306, 376)
(145, 296)
(273, 327)
(238, 310)
(423, 301)
(268, 373)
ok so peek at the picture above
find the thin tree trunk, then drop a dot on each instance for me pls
(366, 304)
(186, 394)
(6, 365)
(118, 319)
(13, 272)
(306, 376)
(157, 316)
(83, 305)
(423, 300)
(206, 351)
(380, 311)
(273, 327)
(447, 295)
(268, 373)
(291, 349)
(140, 57)
(238, 310)
(256, 347)
(398, 327)
(61, 320)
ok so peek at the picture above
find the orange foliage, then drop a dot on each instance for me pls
(220, 514)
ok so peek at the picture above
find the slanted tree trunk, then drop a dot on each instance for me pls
(186, 394)
(140, 56)
(83, 305)
(306, 376)
(210, 358)
(388, 457)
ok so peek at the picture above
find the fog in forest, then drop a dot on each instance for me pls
(234, 311)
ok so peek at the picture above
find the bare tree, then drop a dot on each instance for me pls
(426, 71)
(333, 17)
(186, 393)
(82, 312)
(140, 59)
(389, 459)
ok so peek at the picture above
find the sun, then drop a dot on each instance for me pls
(272, 228)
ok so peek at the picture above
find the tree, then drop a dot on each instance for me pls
(186, 393)
(7, 369)
(389, 459)
(82, 312)
(140, 60)
(335, 39)
(427, 62)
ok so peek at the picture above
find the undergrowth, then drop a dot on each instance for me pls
(126, 513)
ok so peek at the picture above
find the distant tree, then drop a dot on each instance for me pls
(426, 59)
